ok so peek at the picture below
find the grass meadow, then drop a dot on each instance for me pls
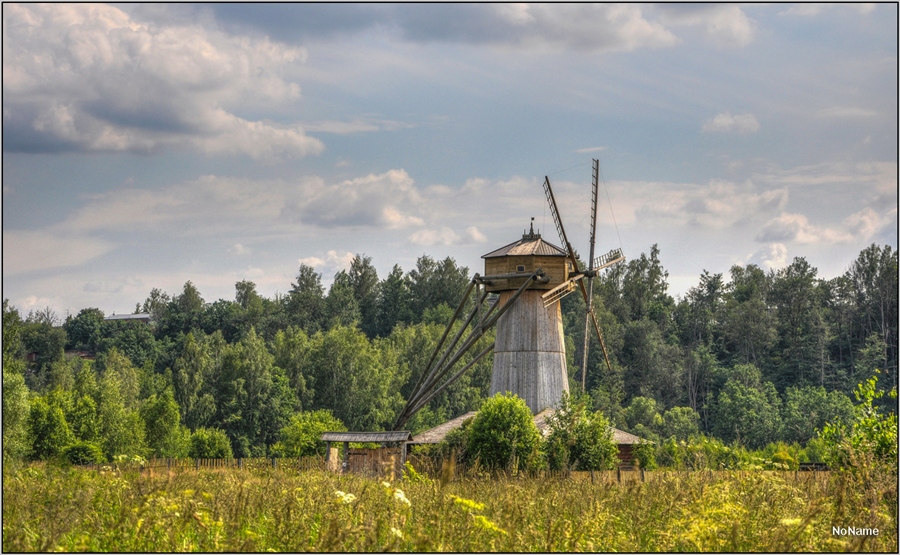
(52, 508)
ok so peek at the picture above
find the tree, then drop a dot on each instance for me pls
(49, 431)
(341, 307)
(254, 400)
(353, 379)
(747, 324)
(747, 410)
(121, 429)
(16, 414)
(302, 435)
(85, 330)
(801, 335)
(680, 422)
(190, 376)
(207, 443)
(291, 349)
(394, 302)
(165, 436)
(306, 300)
(503, 434)
(808, 409)
(365, 284)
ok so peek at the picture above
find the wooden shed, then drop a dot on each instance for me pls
(390, 457)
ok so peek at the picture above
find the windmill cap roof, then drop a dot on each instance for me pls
(527, 246)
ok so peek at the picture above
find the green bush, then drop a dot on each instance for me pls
(84, 452)
(578, 439)
(302, 436)
(645, 455)
(503, 434)
(209, 443)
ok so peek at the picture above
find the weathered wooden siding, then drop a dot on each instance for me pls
(553, 266)
(530, 352)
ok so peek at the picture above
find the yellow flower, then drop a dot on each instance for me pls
(790, 521)
(467, 503)
(397, 532)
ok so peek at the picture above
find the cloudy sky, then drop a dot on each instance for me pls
(148, 145)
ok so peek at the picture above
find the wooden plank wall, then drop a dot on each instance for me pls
(530, 352)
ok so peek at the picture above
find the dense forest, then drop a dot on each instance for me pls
(750, 357)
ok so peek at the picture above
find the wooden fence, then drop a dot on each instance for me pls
(172, 464)
(382, 463)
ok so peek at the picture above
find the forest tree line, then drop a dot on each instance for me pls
(749, 358)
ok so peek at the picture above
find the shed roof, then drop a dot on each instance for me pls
(366, 437)
(527, 246)
(438, 433)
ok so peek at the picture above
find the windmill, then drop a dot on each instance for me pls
(528, 278)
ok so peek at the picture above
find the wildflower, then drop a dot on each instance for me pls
(345, 498)
(467, 503)
(790, 521)
(483, 522)
(401, 497)
(397, 532)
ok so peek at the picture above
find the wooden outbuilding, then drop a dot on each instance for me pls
(389, 457)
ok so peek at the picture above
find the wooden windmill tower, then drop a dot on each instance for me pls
(530, 277)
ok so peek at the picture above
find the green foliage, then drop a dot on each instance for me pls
(83, 452)
(578, 439)
(207, 443)
(165, 436)
(747, 409)
(503, 434)
(16, 415)
(302, 436)
(49, 430)
(869, 434)
(645, 455)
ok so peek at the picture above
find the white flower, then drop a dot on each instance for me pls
(401, 497)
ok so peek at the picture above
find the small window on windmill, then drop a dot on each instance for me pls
(520, 268)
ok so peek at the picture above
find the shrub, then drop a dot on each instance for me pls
(84, 452)
(578, 439)
(503, 434)
(302, 436)
(209, 443)
(868, 435)
(645, 455)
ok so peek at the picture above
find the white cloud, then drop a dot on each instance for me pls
(727, 123)
(385, 200)
(771, 257)
(717, 205)
(356, 126)
(30, 251)
(88, 77)
(239, 249)
(726, 25)
(591, 149)
(815, 8)
(331, 264)
(859, 227)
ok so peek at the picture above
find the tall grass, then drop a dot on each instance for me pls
(48, 508)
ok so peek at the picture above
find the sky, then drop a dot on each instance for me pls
(145, 145)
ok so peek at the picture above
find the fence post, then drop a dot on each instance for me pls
(197, 466)
(619, 474)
